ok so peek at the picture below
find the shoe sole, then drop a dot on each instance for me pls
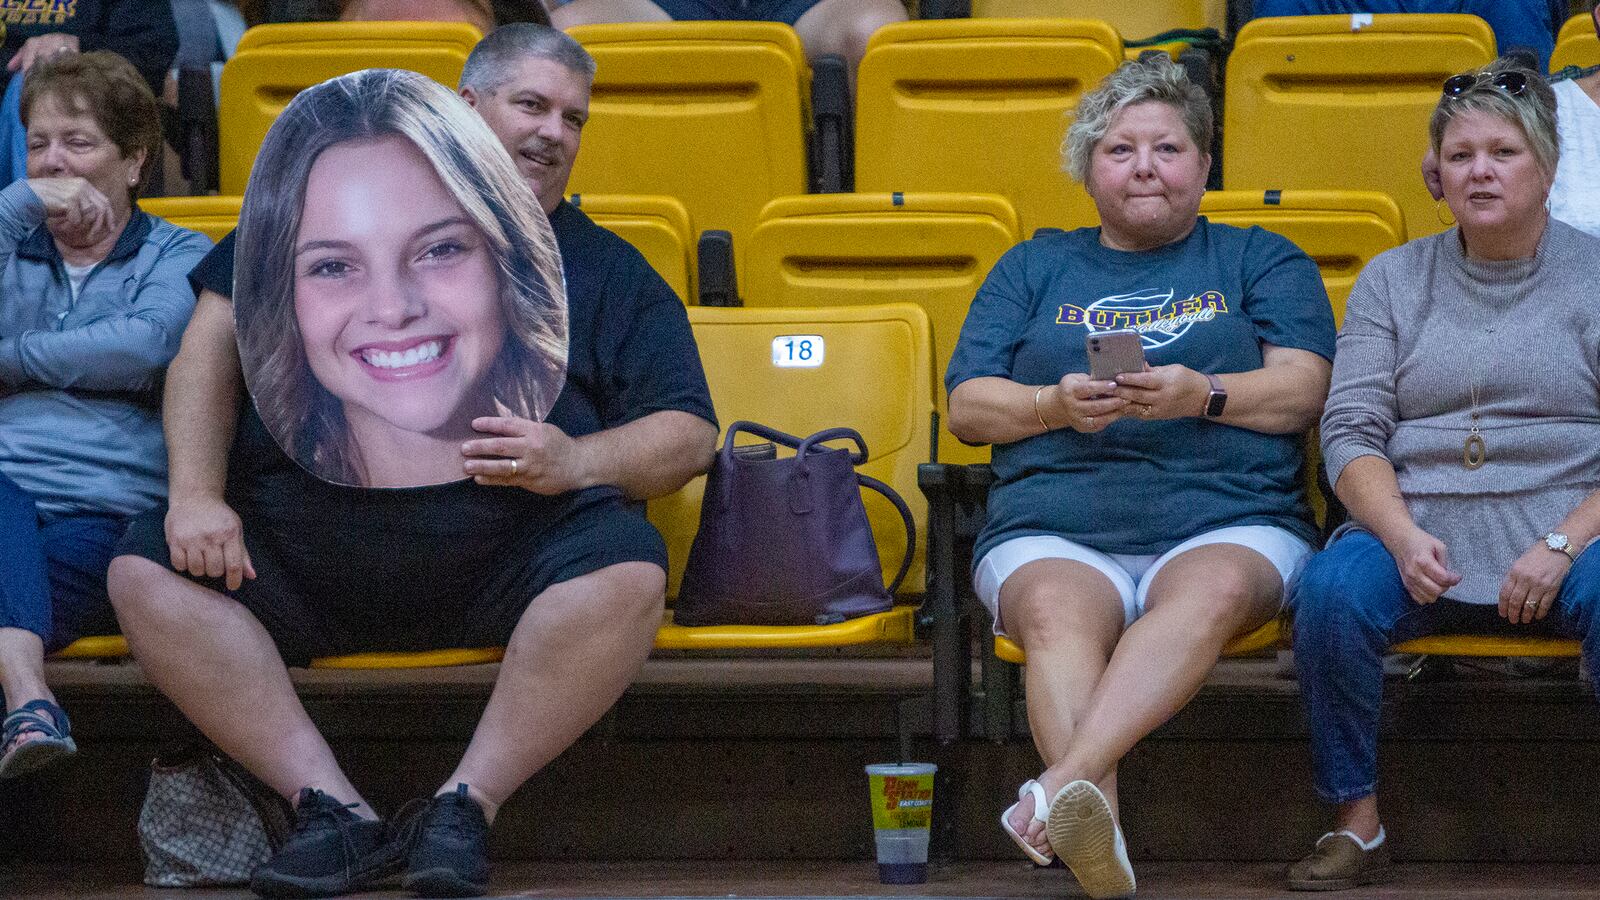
(1341, 884)
(326, 886)
(442, 883)
(1084, 836)
(35, 755)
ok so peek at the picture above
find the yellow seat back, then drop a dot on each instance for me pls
(876, 376)
(1340, 230)
(213, 217)
(980, 105)
(657, 227)
(933, 250)
(1577, 45)
(1312, 103)
(712, 113)
(275, 62)
(1139, 19)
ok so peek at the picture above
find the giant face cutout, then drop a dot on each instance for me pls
(418, 291)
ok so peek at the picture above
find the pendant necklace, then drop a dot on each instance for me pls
(1474, 453)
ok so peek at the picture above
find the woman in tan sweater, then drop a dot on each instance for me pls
(1461, 433)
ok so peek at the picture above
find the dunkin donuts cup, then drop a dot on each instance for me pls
(902, 814)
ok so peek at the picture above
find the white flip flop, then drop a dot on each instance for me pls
(1041, 803)
(1086, 837)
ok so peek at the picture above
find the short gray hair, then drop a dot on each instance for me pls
(1157, 79)
(490, 62)
(1533, 111)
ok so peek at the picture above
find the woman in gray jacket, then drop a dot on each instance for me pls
(1461, 434)
(94, 297)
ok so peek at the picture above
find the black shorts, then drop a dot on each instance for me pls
(786, 11)
(342, 608)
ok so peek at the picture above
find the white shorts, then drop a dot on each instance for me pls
(1131, 573)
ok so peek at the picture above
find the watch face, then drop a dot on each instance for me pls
(1555, 541)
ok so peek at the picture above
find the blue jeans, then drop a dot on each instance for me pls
(1350, 606)
(53, 581)
(1529, 24)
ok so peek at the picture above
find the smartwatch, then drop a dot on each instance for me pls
(1217, 400)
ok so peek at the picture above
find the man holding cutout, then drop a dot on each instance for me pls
(256, 564)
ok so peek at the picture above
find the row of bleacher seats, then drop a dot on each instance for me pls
(888, 346)
(716, 114)
(826, 250)
(948, 102)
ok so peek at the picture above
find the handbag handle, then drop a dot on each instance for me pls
(905, 516)
(802, 447)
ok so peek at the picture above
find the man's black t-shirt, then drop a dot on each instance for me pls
(630, 353)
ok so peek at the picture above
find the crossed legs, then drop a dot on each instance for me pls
(574, 650)
(1093, 694)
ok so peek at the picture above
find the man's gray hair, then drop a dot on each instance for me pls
(491, 60)
(1157, 79)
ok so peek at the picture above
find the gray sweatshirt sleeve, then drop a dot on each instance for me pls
(1360, 415)
(122, 352)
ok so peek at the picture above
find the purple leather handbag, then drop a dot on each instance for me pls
(786, 541)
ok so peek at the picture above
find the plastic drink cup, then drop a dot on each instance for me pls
(902, 816)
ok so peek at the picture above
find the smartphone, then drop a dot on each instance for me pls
(1112, 353)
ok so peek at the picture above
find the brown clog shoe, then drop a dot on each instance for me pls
(1338, 863)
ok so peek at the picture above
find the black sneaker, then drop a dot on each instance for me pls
(446, 842)
(332, 851)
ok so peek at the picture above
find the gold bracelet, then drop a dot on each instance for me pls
(1038, 415)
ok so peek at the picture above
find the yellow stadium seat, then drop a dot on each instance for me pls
(1131, 19)
(980, 105)
(1341, 230)
(657, 227)
(841, 249)
(213, 217)
(876, 376)
(1267, 637)
(1479, 645)
(1577, 45)
(712, 113)
(116, 647)
(111, 646)
(275, 62)
(1312, 103)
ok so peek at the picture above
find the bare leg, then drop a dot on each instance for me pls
(1359, 816)
(212, 659)
(1067, 616)
(590, 12)
(576, 649)
(22, 675)
(843, 27)
(22, 668)
(1198, 601)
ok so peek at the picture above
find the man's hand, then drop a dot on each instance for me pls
(74, 209)
(532, 455)
(206, 539)
(1531, 585)
(1424, 565)
(38, 49)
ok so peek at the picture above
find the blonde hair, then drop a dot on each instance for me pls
(470, 161)
(1533, 111)
(1157, 79)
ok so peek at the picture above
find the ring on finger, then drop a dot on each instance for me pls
(1145, 411)
(513, 467)
(1091, 421)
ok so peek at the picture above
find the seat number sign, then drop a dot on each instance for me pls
(797, 351)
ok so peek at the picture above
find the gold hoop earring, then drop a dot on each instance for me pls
(1439, 209)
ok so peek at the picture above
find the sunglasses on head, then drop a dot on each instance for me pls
(1513, 83)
